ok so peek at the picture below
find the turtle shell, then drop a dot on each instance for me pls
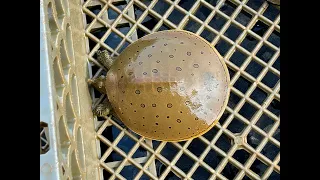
(169, 85)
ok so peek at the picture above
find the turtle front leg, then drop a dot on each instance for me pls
(103, 109)
(104, 58)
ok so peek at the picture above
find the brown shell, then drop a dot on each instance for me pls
(169, 85)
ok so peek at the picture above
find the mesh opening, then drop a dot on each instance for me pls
(44, 138)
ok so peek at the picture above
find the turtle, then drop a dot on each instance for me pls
(169, 85)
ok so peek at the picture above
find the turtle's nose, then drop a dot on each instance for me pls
(90, 81)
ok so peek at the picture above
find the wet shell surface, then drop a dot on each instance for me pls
(169, 85)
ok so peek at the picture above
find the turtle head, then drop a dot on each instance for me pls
(98, 83)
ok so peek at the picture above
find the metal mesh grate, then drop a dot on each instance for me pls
(246, 142)
(244, 145)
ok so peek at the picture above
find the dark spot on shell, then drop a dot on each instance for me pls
(154, 105)
(195, 43)
(180, 111)
(181, 42)
(130, 73)
(137, 51)
(142, 105)
(196, 65)
(196, 118)
(183, 60)
(150, 55)
(189, 128)
(157, 116)
(142, 124)
(209, 63)
(140, 63)
(192, 74)
(154, 70)
(169, 105)
(155, 131)
(157, 124)
(178, 69)
(153, 46)
(178, 121)
(188, 102)
(134, 111)
(145, 73)
(158, 61)
(169, 127)
(208, 97)
(118, 69)
(175, 37)
(189, 53)
(137, 91)
(159, 89)
(123, 91)
(168, 116)
(175, 49)
(171, 56)
(201, 52)
(121, 76)
(165, 44)
(161, 51)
